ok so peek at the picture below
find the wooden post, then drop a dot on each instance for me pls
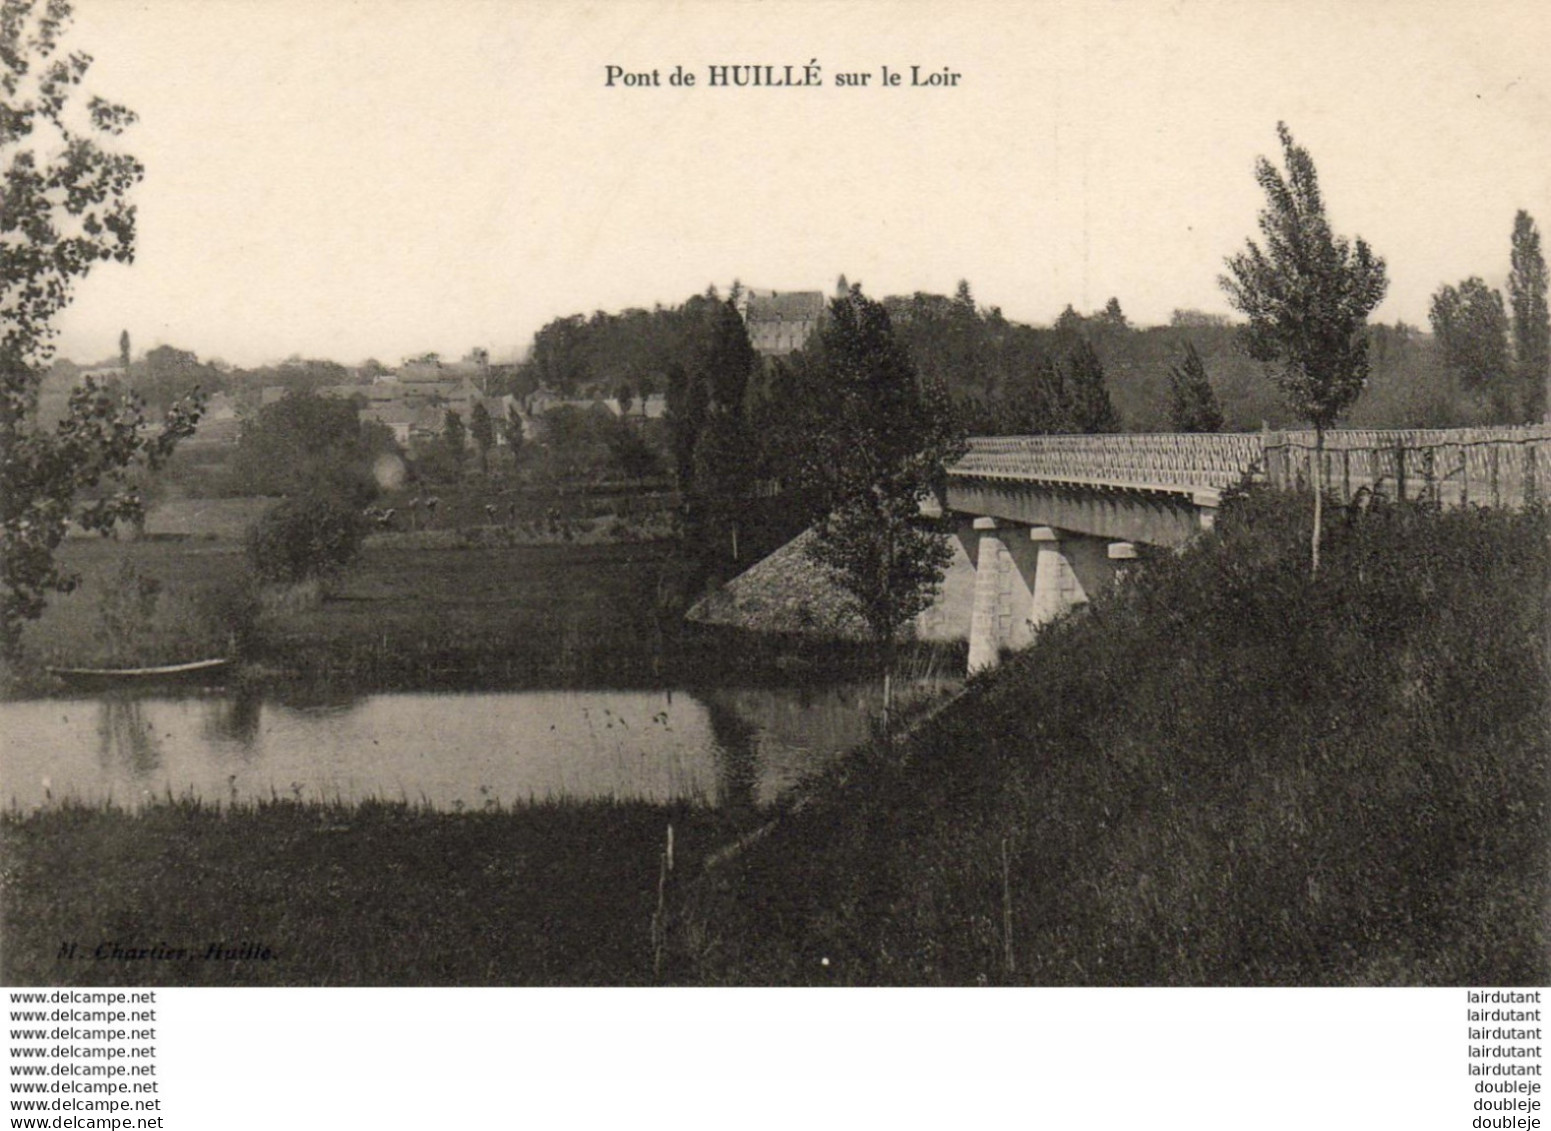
(1008, 953)
(1492, 475)
(1400, 473)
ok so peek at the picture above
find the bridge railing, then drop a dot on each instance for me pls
(1504, 466)
(1164, 460)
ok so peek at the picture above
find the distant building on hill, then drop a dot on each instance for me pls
(779, 322)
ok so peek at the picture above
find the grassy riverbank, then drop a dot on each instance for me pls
(1225, 773)
(365, 895)
(417, 611)
(403, 612)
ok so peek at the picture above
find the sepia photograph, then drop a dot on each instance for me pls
(510, 493)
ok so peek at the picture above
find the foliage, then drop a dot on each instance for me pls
(455, 433)
(482, 430)
(575, 443)
(1005, 378)
(125, 608)
(595, 354)
(1185, 318)
(729, 360)
(688, 403)
(64, 207)
(1193, 405)
(634, 457)
(723, 481)
(875, 457)
(306, 443)
(313, 536)
(723, 460)
(1410, 386)
(885, 556)
(1069, 323)
(1088, 405)
(295, 375)
(1527, 286)
(167, 374)
(1307, 295)
(1471, 327)
(1000, 376)
(511, 429)
(66, 199)
(442, 459)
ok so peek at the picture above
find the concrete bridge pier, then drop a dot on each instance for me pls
(1056, 587)
(1121, 555)
(992, 588)
(1020, 586)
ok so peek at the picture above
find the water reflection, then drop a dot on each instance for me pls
(735, 748)
(235, 719)
(739, 763)
(127, 737)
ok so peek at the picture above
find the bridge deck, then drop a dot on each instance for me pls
(1494, 466)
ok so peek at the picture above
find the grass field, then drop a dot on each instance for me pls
(421, 610)
(401, 615)
(513, 615)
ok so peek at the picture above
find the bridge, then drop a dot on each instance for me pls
(1042, 521)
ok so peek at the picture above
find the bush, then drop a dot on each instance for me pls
(310, 537)
(306, 443)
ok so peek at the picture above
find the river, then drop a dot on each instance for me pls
(449, 750)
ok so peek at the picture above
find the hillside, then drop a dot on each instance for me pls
(1224, 773)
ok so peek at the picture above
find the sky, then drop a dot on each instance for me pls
(379, 178)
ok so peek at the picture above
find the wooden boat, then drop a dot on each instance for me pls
(128, 677)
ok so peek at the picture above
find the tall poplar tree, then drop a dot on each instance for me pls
(875, 457)
(724, 454)
(482, 429)
(1307, 294)
(1531, 321)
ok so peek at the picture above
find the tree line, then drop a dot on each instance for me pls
(1500, 351)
